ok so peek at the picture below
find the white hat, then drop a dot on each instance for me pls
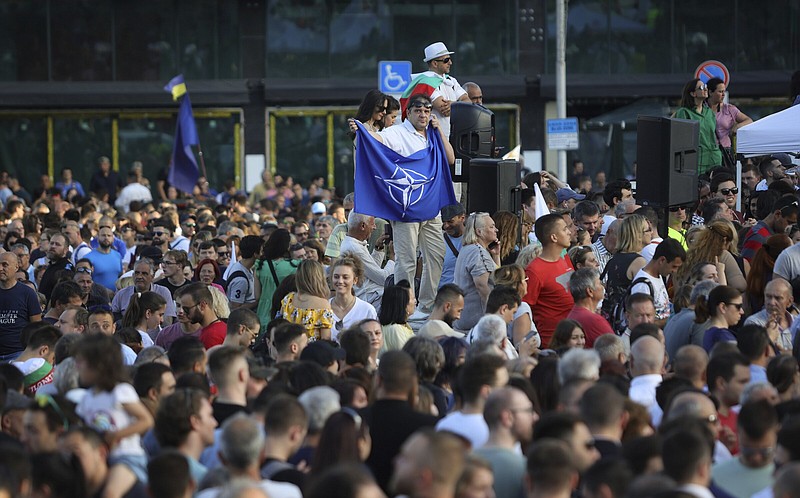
(318, 208)
(437, 328)
(435, 50)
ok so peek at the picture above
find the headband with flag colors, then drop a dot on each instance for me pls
(183, 172)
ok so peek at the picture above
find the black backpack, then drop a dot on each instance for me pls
(613, 308)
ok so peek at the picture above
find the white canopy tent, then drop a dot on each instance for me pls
(779, 132)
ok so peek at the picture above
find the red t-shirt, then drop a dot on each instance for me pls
(213, 334)
(730, 422)
(593, 324)
(548, 294)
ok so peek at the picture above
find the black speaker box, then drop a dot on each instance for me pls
(493, 185)
(471, 135)
(666, 159)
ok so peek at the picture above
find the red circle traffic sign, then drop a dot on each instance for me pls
(713, 69)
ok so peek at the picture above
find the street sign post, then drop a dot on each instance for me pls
(713, 69)
(562, 134)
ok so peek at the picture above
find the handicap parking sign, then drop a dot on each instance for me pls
(394, 76)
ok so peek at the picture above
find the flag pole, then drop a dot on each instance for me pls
(202, 159)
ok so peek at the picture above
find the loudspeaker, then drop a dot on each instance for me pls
(493, 185)
(666, 159)
(471, 135)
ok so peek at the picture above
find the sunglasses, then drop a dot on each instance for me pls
(738, 306)
(445, 60)
(83, 269)
(701, 88)
(420, 105)
(729, 191)
(675, 209)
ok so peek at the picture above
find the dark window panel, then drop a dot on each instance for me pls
(145, 41)
(78, 142)
(23, 41)
(81, 41)
(23, 149)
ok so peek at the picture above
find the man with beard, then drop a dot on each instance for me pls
(106, 261)
(58, 262)
(196, 302)
(162, 233)
(143, 273)
(510, 417)
(453, 230)
(447, 309)
(92, 294)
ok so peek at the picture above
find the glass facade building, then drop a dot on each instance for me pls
(278, 78)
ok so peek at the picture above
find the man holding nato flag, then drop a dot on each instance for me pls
(403, 175)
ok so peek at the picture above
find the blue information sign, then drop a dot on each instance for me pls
(562, 134)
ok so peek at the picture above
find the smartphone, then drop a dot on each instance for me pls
(387, 230)
(531, 334)
(493, 245)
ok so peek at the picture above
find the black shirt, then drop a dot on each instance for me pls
(172, 287)
(52, 275)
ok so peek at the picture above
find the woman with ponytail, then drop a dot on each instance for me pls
(722, 309)
(146, 314)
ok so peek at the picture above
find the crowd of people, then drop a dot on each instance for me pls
(280, 343)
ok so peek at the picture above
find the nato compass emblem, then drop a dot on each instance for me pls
(406, 186)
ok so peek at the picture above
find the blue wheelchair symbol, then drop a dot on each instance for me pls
(394, 76)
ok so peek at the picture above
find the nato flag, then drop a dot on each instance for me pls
(398, 188)
(184, 172)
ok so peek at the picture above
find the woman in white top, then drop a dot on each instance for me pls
(514, 276)
(348, 310)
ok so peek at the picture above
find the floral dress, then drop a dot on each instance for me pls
(312, 319)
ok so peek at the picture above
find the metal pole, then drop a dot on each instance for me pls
(561, 77)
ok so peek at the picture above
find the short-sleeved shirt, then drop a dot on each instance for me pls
(404, 138)
(107, 268)
(164, 282)
(241, 287)
(104, 411)
(473, 262)
(172, 333)
(660, 296)
(726, 120)
(361, 310)
(787, 264)
(709, 154)
(213, 334)
(548, 294)
(17, 305)
(754, 239)
(449, 265)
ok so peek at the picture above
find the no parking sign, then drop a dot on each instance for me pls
(713, 69)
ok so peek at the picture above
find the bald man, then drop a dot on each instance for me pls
(647, 361)
(690, 363)
(19, 305)
(775, 316)
(697, 404)
(474, 92)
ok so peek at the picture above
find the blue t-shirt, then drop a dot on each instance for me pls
(714, 335)
(119, 245)
(449, 264)
(107, 268)
(17, 305)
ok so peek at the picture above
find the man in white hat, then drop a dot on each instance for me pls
(439, 63)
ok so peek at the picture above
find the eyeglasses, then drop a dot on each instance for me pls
(444, 61)
(190, 225)
(168, 263)
(83, 269)
(738, 306)
(729, 191)
(420, 105)
(186, 309)
(701, 88)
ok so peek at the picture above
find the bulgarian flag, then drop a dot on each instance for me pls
(424, 84)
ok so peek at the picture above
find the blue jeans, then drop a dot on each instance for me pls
(5, 358)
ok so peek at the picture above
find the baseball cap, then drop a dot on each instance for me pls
(451, 211)
(435, 50)
(565, 194)
(437, 328)
(322, 353)
(318, 208)
(785, 159)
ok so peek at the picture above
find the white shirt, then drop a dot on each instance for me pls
(404, 138)
(133, 192)
(643, 391)
(469, 426)
(272, 488)
(450, 90)
(649, 250)
(660, 295)
(371, 288)
(361, 310)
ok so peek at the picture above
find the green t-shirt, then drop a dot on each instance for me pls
(709, 154)
(283, 268)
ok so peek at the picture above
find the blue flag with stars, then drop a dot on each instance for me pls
(398, 188)
(183, 172)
